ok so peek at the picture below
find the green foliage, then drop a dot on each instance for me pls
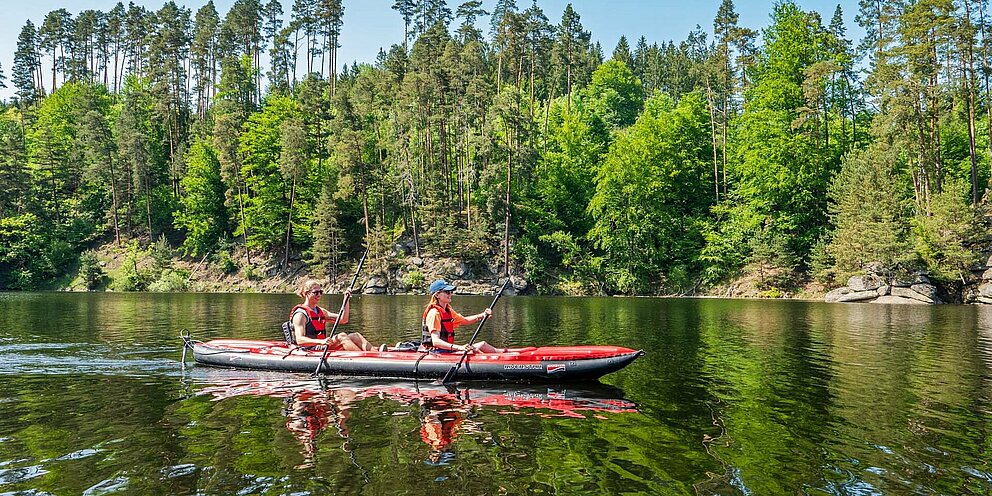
(457, 140)
(414, 279)
(161, 255)
(130, 276)
(249, 272)
(33, 253)
(90, 271)
(770, 257)
(226, 262)
(942, 236)
(653, 193)
(615, 94)
(868, 211)
(203, 215)
(170, 281)
(266, 207)
(586, 269)
(782, 161)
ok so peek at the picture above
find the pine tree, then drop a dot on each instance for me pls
(54, 38)
(469, 11)
(204, 55)
(203, 216)
(97, 142)
(26, 65)
(868, 212)
(622, 53)
(329, 236)
(115, 37)
(14, 178)
(293, 164)
(569, 52)
(406, 8)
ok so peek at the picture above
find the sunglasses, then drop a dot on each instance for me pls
(316, 292)
(445, 291)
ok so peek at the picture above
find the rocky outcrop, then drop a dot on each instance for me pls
(409, 274)
(875, 288)
(981, 291)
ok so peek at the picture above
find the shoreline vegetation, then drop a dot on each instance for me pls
(151, 150)
(160, 269)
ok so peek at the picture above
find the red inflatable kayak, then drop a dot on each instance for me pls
(556, 363)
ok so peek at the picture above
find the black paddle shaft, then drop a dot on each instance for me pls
(344, 302)
(454, 369)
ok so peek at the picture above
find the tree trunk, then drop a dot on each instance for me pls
(148, 209)
(716, 172)
(289, 225)
(113, 195)
(244, 223)
(506, 223)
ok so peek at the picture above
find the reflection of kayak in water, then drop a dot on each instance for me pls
(571, 400)
(549, 363)
(445, 413)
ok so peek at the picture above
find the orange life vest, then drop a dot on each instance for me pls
(316, 321)
(447, 327)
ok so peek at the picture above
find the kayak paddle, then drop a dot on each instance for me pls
(454, 369)
(344, 302)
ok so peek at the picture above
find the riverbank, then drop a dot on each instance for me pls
(157, 267)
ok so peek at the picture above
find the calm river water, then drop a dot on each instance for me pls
(732, 397)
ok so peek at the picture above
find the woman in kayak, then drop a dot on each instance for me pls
(440, 321)
(310, 322)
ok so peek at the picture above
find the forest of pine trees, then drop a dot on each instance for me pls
(786, 151)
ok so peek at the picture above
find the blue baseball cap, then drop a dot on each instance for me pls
(440, 285)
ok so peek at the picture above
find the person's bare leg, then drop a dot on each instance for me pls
(360, 341)
(346, 343)
(484, 347)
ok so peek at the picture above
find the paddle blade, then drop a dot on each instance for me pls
(450, 375)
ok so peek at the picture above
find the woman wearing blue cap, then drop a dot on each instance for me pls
(440, 321)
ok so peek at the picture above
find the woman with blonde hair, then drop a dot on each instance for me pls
(440, 321)
(310, 322)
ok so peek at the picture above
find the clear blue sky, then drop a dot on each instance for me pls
(371, 24)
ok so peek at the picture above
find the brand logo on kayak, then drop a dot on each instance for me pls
(555, 367)
(522, 367)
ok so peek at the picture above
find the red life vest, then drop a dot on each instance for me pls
(316, 321)
(447, 327)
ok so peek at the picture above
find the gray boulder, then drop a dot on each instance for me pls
(985, 290)
(834, 295)
(910, 294)
(928, 290)
(869, 282)
(987, 275)
(460, 271)
(884, 290)
(375, 285)
(858, 296)
(518, 283)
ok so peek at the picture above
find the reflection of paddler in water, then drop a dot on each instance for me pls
(441, 418)
(309, 413)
